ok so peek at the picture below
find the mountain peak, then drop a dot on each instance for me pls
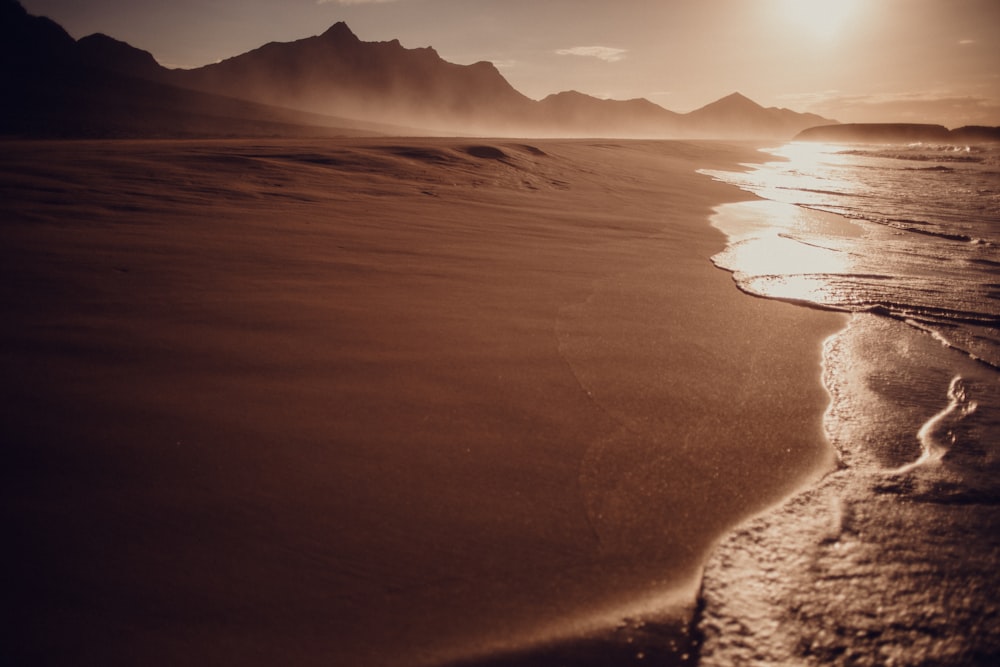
(734, 103)
(28, 42)
(737, 100)
(340, 31)
(567, 95)
(337, 73)
(100, 50)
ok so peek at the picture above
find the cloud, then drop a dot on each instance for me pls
(966, 42)
(605, 53)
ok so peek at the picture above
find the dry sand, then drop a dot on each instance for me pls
(380, 402)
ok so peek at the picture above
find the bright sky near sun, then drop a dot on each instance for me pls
(851, 60)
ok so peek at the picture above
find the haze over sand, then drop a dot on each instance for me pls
(378, 402)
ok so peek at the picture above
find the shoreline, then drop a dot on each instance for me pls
(322, 388)
(891, 557)
(884, 560)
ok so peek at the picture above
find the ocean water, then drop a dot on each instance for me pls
(905, 568)
(913, 246)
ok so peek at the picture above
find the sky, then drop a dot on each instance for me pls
(934, 61)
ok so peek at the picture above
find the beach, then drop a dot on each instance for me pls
(892, 558)
(383, 401)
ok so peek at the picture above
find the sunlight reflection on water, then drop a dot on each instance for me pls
(893, 559)
(803, 173)
(777, 250)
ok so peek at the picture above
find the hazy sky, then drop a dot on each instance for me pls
(852, 60)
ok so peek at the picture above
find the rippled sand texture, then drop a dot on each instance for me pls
(380, 401)
(893, 559)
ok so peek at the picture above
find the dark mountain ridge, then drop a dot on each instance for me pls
(103, 52)
(338, 73)
(100, 86)
(572, 111)
(31, 43)
(898, 133)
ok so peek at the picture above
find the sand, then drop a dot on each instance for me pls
(892, 559)
(382, 401)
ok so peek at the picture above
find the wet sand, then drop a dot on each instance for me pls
(382, 402)
(892, 558)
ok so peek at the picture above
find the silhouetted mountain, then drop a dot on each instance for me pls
(103, 52)
(336, 73)
(976, 134)
(97, 105)
(36, 62)
(30, 45)
(100, 86)
(736, 116)
(881, 133)
(54, 86)
(572, 112)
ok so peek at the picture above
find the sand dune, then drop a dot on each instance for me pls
(380, 402)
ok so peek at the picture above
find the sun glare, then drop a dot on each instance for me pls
(818, 19)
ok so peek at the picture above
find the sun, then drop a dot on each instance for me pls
(823, 20)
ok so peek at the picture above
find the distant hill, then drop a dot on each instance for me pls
(736, 116)
(55, 86)
(898, 133)
(30, 45)
(571, 112)
(102, 52)
(875, 133)
(976, 134)
(318, 86)
(337, 73)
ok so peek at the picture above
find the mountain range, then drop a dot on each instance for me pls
(318, 86)
(899, 133)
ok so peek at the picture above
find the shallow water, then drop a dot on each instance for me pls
(925, 243)
(918, 245)
(892, 559)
